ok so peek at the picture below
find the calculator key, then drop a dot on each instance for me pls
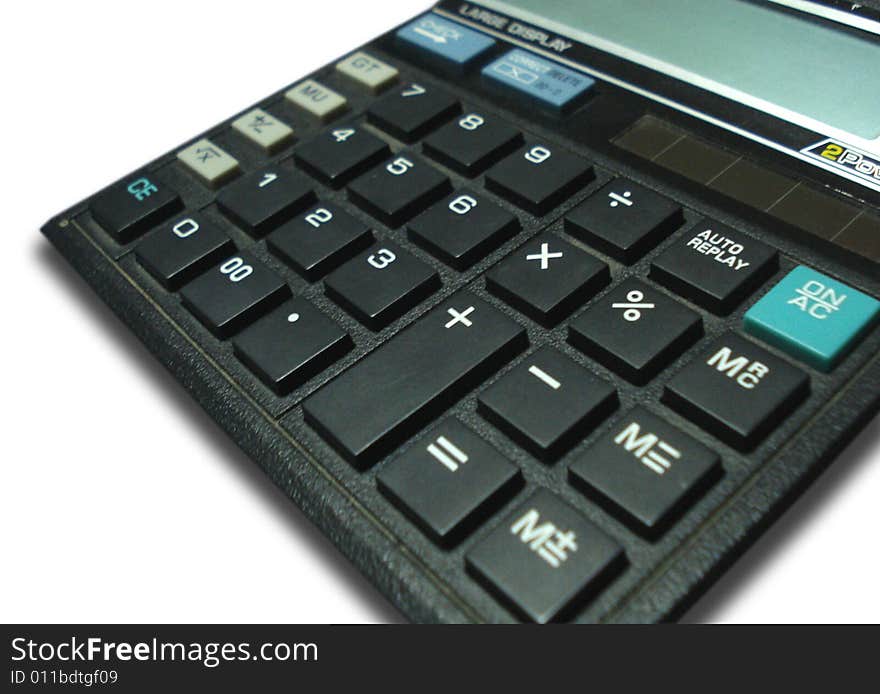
(338, 155)
(320, 101)
(413, 111)
(715, 266)
(545, 559)
(446, 42)
(262, 200)
(635, 330)
(399, 189)
(646, 472)
(541, 81)
(381, 284)
(472, 143)
(812, 317)
(368, 71)
(400, 386)
(547, 403)
(624, 220)
(737, 391)
(449, 481)
(291, 344)
(182, 249)
(209, 163)
(319, 240)
(130, 208)
(234, 293)
(463, 228)
(264, 130)
(538, 178)
(547, 278)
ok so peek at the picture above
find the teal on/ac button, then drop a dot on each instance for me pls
(812, 317)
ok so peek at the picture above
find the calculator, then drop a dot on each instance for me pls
(541, 311)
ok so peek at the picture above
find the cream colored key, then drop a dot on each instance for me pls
(263, 129)
(317, 99)
(370, 72)
(209, 162)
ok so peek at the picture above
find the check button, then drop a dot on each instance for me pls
(445, 41)
(812, 317)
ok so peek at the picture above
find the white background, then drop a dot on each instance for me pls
(121, 501)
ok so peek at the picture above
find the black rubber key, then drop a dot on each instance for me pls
(182, 249)
(133, 206)
(381, 284)
(646, 472)
(234, 293)
(412, 111)
(399, 189)
(449, 481)
(547, 278)
(290, 345)
(463, 228)
(472, 143)
(715, 266)
(547, 403)
(365, 412)
(538, 178)
(262, 200)
(624, 220)
(737, 391)
(545, 559)
(338, 155)
(635, 330)
(319, 240)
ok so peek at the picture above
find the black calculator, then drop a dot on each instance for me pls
(541, 311)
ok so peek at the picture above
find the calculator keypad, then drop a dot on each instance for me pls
(335, 261)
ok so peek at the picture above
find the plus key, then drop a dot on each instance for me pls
(398, 388)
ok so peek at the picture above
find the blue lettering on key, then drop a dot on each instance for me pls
(539, 79)
(446, 40)
(142, 189)
(813, 317)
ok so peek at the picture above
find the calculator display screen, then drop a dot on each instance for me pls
(807, 71)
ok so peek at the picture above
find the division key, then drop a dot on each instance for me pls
(398, 388)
